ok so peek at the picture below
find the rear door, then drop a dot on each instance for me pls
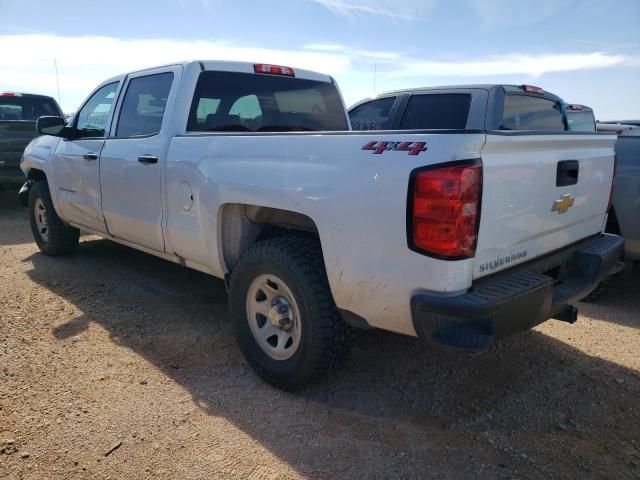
(541, 190)
(132, 160)
(76, 161)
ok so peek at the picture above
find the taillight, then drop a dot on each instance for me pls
(613, 182)
(444, 210)
(11, 94)
(273, 69)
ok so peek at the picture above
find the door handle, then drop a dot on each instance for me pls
(567, 173)
(90, 156)
(147, 159)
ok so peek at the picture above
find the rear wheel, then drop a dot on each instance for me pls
(51, 234)
(283, 314)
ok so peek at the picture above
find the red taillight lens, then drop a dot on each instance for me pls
(445, 210)
(613, 182)
(273, 69)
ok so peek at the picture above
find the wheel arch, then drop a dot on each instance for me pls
(36, 175)
(243, 225)
(33, 175)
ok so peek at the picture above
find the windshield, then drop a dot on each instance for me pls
(243, 102)
(26, 108)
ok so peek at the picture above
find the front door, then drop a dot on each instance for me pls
(132, 160)
(76, 162)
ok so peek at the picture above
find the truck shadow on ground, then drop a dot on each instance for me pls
(620, 302)
(531, 403)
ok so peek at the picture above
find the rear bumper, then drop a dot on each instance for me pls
(518, 299)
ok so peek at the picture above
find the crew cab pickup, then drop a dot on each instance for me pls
(249, 172)
(18, 115)
(486, 107)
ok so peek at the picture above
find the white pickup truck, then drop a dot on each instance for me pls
(248, 172)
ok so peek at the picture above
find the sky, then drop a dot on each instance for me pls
(585, 51)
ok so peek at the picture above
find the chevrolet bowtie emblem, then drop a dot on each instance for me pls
(564, 204)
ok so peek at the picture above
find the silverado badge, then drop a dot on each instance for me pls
(564, 204)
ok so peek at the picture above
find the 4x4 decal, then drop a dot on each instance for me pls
(414, 148)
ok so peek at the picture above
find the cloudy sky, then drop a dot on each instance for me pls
(586, 51)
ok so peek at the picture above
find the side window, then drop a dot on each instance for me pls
(92, 119)
(437, 111)
(144, 104)
(372, 115)
(246, 107)
(525, 112)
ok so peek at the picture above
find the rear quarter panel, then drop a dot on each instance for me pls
(357, 200)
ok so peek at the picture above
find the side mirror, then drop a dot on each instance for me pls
(54, 126)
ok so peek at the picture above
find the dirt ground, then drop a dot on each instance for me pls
(116, 364)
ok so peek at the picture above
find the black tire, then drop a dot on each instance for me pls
(325, 339)
(57, 238)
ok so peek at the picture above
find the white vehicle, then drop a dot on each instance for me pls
(239, 170)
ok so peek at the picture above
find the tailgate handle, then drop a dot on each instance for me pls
(567, 173)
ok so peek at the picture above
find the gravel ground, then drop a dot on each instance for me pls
(116, 364)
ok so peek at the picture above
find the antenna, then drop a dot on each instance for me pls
(375, 72)
(55, 64)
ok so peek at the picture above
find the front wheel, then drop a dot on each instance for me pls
(51, 234)
(283, 314)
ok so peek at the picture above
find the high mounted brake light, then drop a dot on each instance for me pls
(532, 89)
(273, 69)
(444, 210)
(575, 108)
(11, 94)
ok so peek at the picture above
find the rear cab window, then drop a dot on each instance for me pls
(440, 111)
(581, 121)
(372, 115)
(245, 102)
(27, 108)
(529, 112)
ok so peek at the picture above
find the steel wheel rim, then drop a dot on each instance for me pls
(273, 316)
(40, 213)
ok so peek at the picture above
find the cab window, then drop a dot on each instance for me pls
(442, 111)
(372, 115)
(92, 120)
(526, 112)
(247, 102)
(144, 105)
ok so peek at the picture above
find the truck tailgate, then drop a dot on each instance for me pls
(14, 137)
(540, 193)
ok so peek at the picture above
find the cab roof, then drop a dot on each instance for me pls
(507, 88)
(229, 66)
